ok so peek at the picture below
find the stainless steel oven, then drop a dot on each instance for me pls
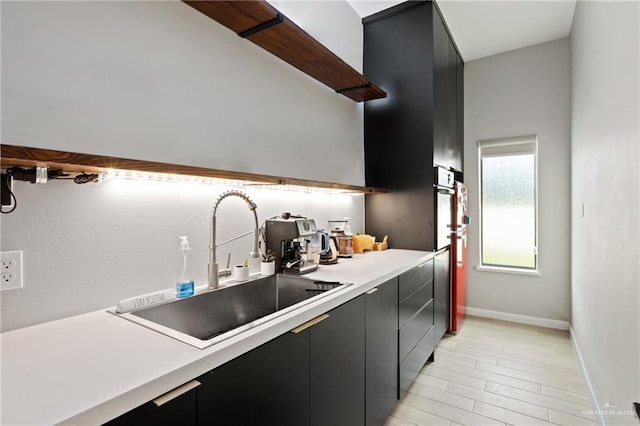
(444, 206)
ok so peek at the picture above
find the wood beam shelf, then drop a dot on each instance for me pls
(265, 26)
(19, 156)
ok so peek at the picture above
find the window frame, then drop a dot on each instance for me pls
(506, 147)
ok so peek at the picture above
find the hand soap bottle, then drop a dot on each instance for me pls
(184, 285)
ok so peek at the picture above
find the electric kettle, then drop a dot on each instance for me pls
(323, 240)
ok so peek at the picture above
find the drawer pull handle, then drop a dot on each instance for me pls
(173, 394)
(310, 323)
(373, 290)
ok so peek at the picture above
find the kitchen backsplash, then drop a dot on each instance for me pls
(88, 246)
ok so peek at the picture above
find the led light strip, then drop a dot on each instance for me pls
(166, 177)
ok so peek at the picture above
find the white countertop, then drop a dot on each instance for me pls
(94, 367)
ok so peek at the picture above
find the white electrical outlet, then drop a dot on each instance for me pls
(11, 272)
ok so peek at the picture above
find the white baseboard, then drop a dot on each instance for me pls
(522, 319)
(585, 377)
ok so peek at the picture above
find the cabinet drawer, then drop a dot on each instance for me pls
(414, 330)
(411, 366)
(412, 304)
(415, 278)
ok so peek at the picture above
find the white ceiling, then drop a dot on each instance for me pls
(482, 28)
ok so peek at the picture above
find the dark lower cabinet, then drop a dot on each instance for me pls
(180, 410)
(266, 386)
(413, 331)
(415, 361)
(442, 293)
(381, 382)
(314, 376)
(415, 325)
(337, 367)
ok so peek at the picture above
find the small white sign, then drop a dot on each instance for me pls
(145, 300)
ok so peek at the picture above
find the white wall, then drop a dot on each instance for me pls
(519, 93)
(605, 141)
(161, 81)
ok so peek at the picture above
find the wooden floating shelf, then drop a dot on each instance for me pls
(263, 25)
(19, 156)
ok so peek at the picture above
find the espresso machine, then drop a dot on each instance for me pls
(290, 239)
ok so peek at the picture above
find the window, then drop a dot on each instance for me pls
(508, 203)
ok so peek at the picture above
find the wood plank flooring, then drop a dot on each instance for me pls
(498, 373)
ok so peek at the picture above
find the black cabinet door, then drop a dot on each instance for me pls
(441, 93)
(397, 55)
(178, 411)
(448, 99)
(266, 386)
(452, 140)
(441, 294)
(460, 111)
(381, 383)
(338, 366)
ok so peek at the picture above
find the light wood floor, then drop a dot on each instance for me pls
(498, 373)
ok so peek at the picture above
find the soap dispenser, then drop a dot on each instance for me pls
(184, 284)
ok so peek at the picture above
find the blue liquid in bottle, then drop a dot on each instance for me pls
(184, 289)
(184, 284)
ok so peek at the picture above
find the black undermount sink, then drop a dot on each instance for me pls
(210, 317)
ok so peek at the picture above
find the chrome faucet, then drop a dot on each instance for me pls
(214, 271)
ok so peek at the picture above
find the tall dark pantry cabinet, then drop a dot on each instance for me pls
(409, 53)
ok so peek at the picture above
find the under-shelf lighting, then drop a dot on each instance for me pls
(168, 177)
(309, 189)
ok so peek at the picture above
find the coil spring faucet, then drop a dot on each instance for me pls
(214, 270)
